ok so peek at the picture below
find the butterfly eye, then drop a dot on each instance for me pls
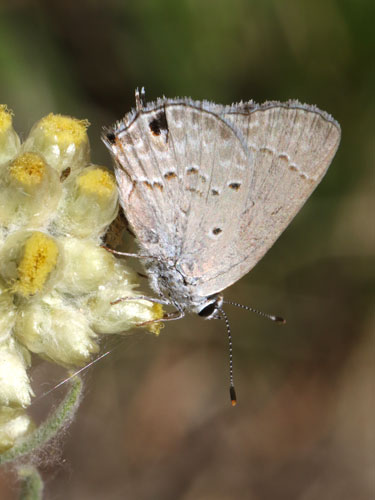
(208, 310)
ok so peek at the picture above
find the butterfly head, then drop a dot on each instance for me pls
(210, 309)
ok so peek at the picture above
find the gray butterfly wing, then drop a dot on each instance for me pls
(290, 146)
(212, 187)
(173, 158)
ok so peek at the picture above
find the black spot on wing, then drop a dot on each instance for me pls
(159, 123)
(110, 137)
(192, 170)
(235, 186)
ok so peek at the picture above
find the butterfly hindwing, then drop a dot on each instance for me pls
(290, 148)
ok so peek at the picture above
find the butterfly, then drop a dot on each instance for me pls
(207, 188)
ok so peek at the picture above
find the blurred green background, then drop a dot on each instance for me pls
(156, 422)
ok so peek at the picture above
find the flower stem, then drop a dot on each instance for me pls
(48, 429)
(31, 483)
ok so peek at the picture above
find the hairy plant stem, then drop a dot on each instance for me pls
(48, 429)
(31, 483)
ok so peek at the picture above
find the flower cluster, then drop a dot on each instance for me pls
(56, 281)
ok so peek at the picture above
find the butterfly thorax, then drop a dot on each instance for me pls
(169, 282)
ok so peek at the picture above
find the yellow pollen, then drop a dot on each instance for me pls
(28, 169)
(5, 118)
(39, 259)
(64, 129)
(158, 313)
(98, 182)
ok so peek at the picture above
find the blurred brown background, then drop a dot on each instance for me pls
(156, 422)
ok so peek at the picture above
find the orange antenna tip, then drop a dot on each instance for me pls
(233, 396)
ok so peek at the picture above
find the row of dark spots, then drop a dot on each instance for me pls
(193, 190)
(194, 170)
(170, 175)
(150, 185)
(233, 185)
(266, 150)
(292, 167)
(295, 169)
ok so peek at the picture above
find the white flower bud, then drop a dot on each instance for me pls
(15, 388)
(9, 140)
(14, 424)
(124, 315)
(62, 140)
(56, 330)
(86, 266)
(7, 313)
(28, 259)
(90, 203)
(23, 184)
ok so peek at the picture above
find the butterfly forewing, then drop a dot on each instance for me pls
(170, 180)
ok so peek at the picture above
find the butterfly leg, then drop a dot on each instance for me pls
(164, 302)
(127, 254)
(124, 254)
(178, 314)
